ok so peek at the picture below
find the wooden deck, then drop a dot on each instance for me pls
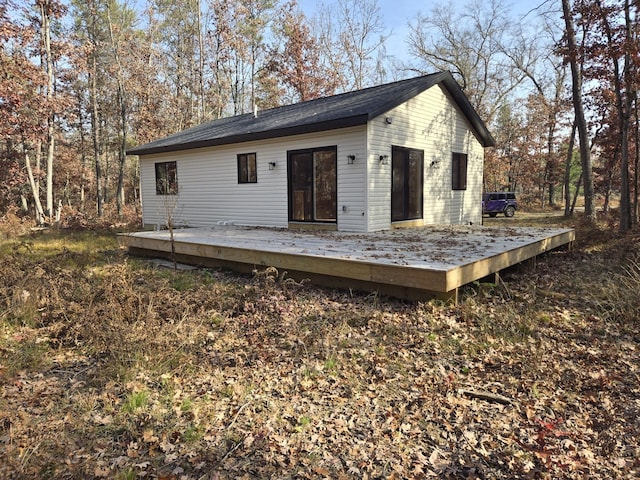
(409, 263)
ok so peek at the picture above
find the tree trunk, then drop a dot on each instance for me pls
(608, 188)
(40, 217)
(575, 196)
(201, 101)
(24, 203)
(38, 165)
(83, 149)
(581, 122)
(122, 104)
(95, 126)
(625, 191)
(626, 220)
(636, 161)
(551, 165)
(46, 45)
(106, 154)
(567, 172)
(95, 116)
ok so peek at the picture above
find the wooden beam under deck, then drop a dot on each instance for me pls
(473, 271)
(367, 274)
(331, 281)
(415, 265)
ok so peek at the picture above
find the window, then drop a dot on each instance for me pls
(166, 178)
(407, 184)
(459, 171)
(313, 188)
(247, 172)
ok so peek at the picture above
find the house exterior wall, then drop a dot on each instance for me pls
(209, 192)
(433, 123)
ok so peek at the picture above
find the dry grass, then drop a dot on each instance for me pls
(113, 368)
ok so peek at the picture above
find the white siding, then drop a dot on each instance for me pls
(352, 199)
(431, 122)
(209, 191)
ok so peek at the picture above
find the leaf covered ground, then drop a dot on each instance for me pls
(113, 368)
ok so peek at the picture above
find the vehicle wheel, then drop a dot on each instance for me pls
(509, 211)
(492, 215)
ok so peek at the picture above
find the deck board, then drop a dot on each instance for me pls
(436, 260)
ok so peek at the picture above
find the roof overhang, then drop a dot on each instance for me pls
(252, 136)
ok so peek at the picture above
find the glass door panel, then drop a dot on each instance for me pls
(301, 187)
(414, 185)
(398, 175)
(325, 186)
(407, 184)
(313, 187)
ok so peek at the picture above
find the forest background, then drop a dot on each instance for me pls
(82, 81)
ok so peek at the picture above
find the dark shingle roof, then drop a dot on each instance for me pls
(338, 111)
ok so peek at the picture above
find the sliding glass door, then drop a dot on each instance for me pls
(313, 188)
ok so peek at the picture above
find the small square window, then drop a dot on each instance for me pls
(459, 171)
(166, 178)
(247, 171)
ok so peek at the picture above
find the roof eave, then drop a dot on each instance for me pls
(251, 136)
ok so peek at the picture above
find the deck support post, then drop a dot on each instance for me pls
(447, 297)
(532, 262)
(493, 278)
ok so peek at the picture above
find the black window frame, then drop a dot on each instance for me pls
(459, 168)
(166, 178)
(245, 174)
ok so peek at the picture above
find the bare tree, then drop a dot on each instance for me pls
(362, 35)
(468, 42)
(580, 119)
(351, 38)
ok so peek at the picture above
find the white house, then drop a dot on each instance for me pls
(401, 154)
